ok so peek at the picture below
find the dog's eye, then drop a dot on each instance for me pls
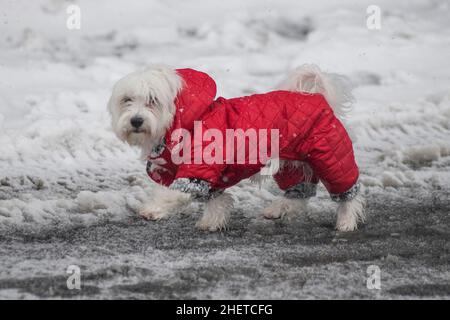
(127, 99)
(153, 100)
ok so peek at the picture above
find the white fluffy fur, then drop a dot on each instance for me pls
(150, 94)
(165, 203)
(216, 214)
(336, 88)
(284, 207)
(350, 213)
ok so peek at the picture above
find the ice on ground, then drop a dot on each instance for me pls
(60, 162)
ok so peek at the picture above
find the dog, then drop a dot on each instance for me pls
(159, 108)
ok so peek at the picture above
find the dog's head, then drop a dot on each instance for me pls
(142, 105)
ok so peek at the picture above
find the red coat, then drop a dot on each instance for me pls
(308, 131)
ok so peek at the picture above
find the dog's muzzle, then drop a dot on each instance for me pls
(137, 122)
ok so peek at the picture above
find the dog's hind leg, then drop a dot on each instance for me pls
(298, 181)
(294, 201)
(351, 209)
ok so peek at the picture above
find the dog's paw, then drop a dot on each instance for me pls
(280, 208)
(350, 213)
(209, 227)
(346, 223)
(165, 203)
(272, 212)
(346, 226)
(152, 213)
(217, 213)
(212, 223)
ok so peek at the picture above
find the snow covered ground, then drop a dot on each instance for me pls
(69, 189)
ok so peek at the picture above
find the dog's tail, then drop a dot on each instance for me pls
(336, 88)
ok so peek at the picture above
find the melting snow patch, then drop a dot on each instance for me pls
(393, 179)
(422, 155)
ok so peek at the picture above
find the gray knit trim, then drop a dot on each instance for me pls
(347, 195)
(302, 190)
(199, 189)
(158, 149)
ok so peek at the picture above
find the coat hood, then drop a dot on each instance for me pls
(194, 99)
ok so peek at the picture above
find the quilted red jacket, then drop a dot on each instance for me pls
(308, 131)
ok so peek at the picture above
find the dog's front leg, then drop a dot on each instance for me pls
(216, 214)
(165, 203)
(218, 204)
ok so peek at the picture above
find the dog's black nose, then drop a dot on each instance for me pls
(136, 122)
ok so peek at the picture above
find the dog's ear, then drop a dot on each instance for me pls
(163, 84)
(116, 91)
(110, 104)
(173, 80)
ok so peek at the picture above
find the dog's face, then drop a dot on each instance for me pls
(142, 105)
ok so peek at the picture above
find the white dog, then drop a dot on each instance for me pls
(145, 105)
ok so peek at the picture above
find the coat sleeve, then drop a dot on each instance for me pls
(206, 160)
(291, 176)
(160, 174)
(209, 173)
(200, 180)
(161, 169)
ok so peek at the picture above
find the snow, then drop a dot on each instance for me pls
(61, 165)
(55, 85)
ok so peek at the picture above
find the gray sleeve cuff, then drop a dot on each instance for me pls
(347, 195)
(199, 189)
(302, 190)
